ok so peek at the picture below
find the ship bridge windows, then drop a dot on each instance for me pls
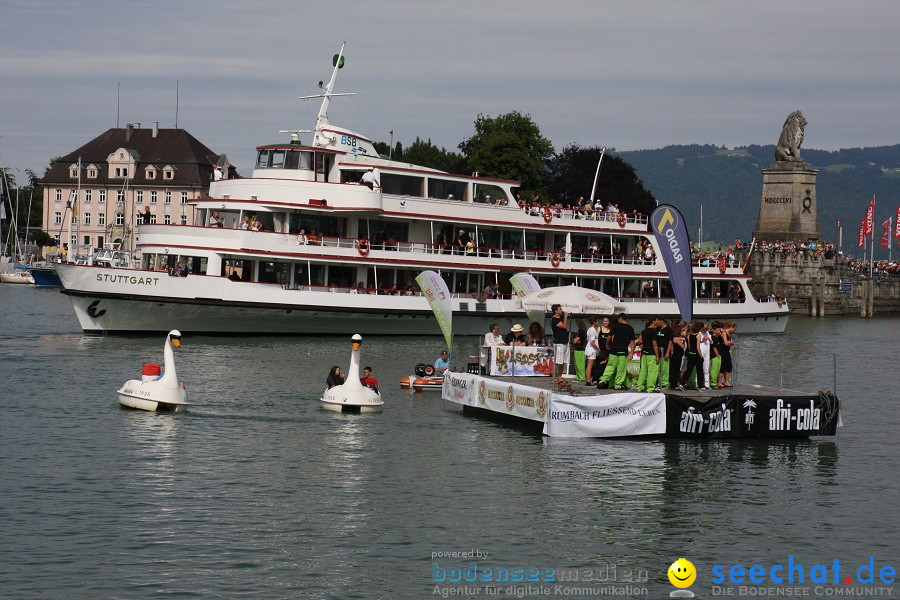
(446, 189)
(283, 158)
(298, 159)
(402, 185)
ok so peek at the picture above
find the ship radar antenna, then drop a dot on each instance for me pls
(319, 137)
(295, 134)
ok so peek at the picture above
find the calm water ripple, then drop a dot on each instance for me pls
(256, 492)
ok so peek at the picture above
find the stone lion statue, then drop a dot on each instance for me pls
(788, 147)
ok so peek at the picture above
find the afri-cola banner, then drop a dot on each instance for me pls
(671, 234)
(753, 416)
(521, 361)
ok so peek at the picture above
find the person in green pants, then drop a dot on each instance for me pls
(715, 351)
(579, 341)
(650, 357)
(664, 337)
(621, 346)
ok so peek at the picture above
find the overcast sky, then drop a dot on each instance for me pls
(629, 74)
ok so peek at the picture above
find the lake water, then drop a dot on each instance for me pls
(257, 492)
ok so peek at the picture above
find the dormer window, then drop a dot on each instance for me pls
(168, 173)
(150, 173)
(92, 172)
(73, 172)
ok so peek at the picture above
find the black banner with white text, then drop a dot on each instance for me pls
(752, 416)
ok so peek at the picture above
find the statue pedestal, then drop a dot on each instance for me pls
(788, 207)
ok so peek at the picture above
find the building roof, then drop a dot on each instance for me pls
(191, 159)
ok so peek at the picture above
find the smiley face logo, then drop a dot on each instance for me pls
(682, 573)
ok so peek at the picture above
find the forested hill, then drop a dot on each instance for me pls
(728, 183)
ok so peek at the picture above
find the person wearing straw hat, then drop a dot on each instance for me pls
(515, 337)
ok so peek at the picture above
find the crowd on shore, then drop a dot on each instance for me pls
(673, 355)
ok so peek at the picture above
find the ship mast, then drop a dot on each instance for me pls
(320, 138)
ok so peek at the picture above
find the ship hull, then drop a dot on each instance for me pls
(102, 313)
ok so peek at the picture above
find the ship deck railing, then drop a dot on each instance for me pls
(476, 252)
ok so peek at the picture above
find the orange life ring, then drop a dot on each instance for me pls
(362, 246)
(721, 264)
(554, 259)
(621, 219)
(548, 216)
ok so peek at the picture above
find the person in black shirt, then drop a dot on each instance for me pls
(728, 328)
(579, 341)
(664, 337)
(692, 354)
(515, 337)
(679, 345)
(650, 357)
(716, 350)
(621, 347)
(559, 325)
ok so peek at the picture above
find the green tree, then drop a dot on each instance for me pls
(427, 154)
(508, 146)
(571, 174)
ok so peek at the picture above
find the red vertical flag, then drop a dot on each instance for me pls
(862, 234)
(870, 218)
(886, 234)
(897, 224)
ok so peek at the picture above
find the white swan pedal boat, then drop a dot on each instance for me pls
(157, 393)
(352, 396)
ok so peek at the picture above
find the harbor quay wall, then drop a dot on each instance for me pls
(807, 280)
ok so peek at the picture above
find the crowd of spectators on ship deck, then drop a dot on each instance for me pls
(581, 209)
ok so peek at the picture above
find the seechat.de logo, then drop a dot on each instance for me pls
(682, 575)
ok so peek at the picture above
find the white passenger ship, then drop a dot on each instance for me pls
(336, 256)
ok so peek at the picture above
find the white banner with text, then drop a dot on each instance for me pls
(611, 415)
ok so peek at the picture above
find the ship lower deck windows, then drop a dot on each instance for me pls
(323, 225)
(383, 234)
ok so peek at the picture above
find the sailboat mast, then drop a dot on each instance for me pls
(28, 220)
(75, 205)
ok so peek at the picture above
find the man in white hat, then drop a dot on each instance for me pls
(515, 337)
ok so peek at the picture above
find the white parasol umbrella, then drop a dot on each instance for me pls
(574, 300)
